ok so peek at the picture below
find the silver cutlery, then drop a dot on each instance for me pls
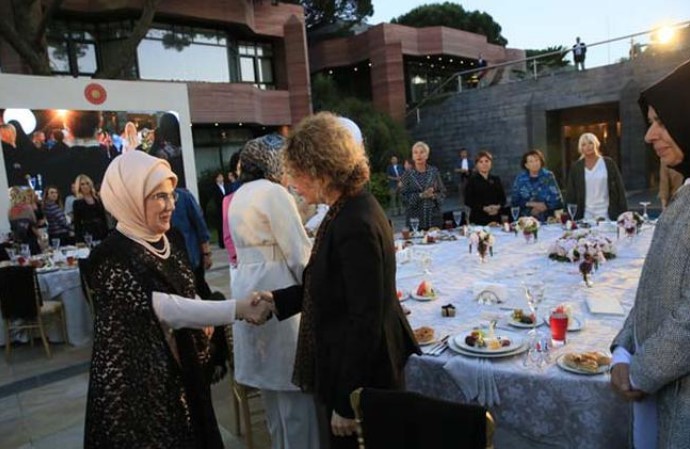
(439, 347)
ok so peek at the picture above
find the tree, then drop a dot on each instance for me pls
(554, 61)
(453, 15)
(26, 34)
(319, 13)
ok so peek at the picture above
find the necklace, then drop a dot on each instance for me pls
(162, 253)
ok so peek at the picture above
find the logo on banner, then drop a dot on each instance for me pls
(95, 93)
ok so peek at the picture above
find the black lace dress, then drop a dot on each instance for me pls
(140, 396)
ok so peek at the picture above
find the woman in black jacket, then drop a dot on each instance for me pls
(353, 331)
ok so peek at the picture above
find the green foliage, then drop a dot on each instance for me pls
(453, 15)
(383, 136)
(554, 61)
(318, 13)
(378, 186)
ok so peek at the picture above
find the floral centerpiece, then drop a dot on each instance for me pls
(529, 226)
(484, 241)
(574, 245)
(631, 222)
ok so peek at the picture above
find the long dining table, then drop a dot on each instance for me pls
(534, 406)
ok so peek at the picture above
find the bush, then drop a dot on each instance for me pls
(378, 186)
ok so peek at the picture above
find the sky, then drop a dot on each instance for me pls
(538, 24)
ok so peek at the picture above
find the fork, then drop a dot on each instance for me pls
(439, 347)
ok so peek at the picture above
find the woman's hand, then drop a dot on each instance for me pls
(620, 382)
(537, 207)
(255, 309)
(342, 427)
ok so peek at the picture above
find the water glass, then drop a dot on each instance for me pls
(644, 205)
(55, 244)
(515, 212)
(88, 239)
(572, 210)
(457, 217)
(534, 292)
(11, 253)
(414, 223)
(24, 250)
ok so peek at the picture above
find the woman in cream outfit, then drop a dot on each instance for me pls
(272, 251)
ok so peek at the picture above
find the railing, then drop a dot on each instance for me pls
(530, 67)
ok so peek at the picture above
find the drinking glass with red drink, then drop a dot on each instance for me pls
(558, 321)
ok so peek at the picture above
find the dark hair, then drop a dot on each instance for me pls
(22, 141)
(83, 124)
(168, 130)
(536, 153)
(234, 160)
(251, 172)
(58, 135)
(59, 198)
(481, 154)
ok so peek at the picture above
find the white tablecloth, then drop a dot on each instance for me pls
(65, 286)
(539, 408)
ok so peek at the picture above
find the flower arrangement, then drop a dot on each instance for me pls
(484, 241)
(631, 222)
(575, 245)
(529, 226)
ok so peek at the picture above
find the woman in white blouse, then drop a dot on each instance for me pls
(594, 183)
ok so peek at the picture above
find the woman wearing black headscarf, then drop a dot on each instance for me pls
(651, 363)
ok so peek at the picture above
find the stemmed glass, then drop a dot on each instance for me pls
(467, 210)
(12, 254)
(414, 223)
(534, 292)
(644, 205)
(515, 212)
(88, 239)
(572, 210)
(55, 244)
(457, 217)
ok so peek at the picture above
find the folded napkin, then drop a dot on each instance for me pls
(475, 377)
(499, 290)
(403, 256)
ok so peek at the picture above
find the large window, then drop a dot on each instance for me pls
(255, 64)
(184, 54)
(72, 49)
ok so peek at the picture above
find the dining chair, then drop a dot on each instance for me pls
(23, 308)
(407, 420)
(241, 394)
(83, 265)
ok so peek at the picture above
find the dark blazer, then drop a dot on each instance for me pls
(577, 190)
(362, 336)
(481, 192)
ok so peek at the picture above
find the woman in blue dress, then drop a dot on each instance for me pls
(535, 190)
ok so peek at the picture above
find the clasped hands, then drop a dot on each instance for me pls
(428, 193)
(257, 308)
(492, 209)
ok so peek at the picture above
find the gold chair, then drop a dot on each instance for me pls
(403, 418)
(23, 308)
(241, 394)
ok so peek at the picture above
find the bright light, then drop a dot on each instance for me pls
(665, 34)
(62, 113)
(25, 117)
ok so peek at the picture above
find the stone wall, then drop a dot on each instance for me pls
(509, 119)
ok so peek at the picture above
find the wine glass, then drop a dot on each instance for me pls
(534, 292)
(12, 254)
(467, 210)
(55, 244)
(515, 212)
(457, 217)
(414, 223)
(644, 205)
(572, 210)
(24, 250)
(88, 239)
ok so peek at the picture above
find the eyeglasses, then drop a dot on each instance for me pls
(165, 197)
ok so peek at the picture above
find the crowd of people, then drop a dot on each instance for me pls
(315, 318)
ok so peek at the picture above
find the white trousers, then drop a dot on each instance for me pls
(292, 420)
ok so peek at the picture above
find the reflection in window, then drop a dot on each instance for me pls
(183, 54)
(72, 48)
(256, 64)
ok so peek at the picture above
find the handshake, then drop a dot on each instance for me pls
(257, 308)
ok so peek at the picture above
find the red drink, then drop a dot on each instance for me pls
(559, 327)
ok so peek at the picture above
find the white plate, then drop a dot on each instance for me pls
(432, 342)
(574, 323)
(458, 350)
(516, 341)
(520, 325)
(46, 270)
(424, 298)
(562, 365)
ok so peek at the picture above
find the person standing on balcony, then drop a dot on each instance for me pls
(579, 52)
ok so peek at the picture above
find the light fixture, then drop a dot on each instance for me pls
(418, 80)
(25, 117)
(240, 124)
(330, 72)
(215, 124)
(355, 69)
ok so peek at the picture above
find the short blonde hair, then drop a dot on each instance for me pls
(588, 138)
(323, 148)
(423, 146)
(16, 196)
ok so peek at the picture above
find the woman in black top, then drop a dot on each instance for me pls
(89, 214)
(484, 192)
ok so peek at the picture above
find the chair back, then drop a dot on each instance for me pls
(20, 295)
(407, 420)
(21, 229)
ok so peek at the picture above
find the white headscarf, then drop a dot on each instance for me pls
(353, 128)
(128, 180)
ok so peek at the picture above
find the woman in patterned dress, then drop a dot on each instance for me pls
(535, 190)
(423, 189)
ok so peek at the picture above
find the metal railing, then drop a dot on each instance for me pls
(531, 64)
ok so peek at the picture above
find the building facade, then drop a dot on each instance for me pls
(244, 62)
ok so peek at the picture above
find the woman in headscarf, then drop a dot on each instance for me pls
(651, 362)
(272, 249)
(147, 386)
(353, 331)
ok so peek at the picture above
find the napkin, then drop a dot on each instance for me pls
(475, 377)
(500, 290)
(604, 306)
